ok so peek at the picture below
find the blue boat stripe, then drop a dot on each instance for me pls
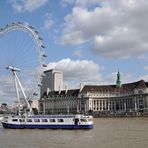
(30, 126)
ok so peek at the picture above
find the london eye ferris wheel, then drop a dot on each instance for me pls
(21, 47)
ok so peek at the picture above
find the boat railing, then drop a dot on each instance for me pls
(51, 116)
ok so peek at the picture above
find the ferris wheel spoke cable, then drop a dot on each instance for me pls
(22, 50)
(26, 46)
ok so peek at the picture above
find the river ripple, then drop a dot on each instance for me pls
(107, 133)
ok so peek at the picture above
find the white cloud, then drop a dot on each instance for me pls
(48, 23)
(84, 72)
(16, 6)
(111, 78)
(146, 67)
(27, 5)
(78, 71)
(7, 89)
(65, 3)
(83, 25)
(87, 3)
(145, 78)
(121, 25)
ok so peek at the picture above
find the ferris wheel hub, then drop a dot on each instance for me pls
(13, 68)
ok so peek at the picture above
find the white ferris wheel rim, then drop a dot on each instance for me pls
(25, 27)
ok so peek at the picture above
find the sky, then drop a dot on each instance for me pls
(89, 40)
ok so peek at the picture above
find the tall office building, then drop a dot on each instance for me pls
(52, 81)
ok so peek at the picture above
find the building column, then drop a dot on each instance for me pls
(138, 103)
(44, 107)
(135, 102)
(105, 104)
(93, 105)
(109, 104)
(115, 105)
(144, 105)
(125, 105)
(102, 105)
(98, 105)
(120, 103)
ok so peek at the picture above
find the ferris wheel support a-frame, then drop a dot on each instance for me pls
(17, 86)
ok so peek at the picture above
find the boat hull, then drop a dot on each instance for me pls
(38, 126)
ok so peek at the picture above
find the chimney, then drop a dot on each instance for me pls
(59, 89)
(66, 89)
(47, 91)
(81, 87)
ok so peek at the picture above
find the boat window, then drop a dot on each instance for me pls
(44, 120)
(60, 120)
(76, 121)
(52, 120)
(36, 120)
(83, 120)
(29, 120)
(90, 119)
(15, 120)
(22, 120)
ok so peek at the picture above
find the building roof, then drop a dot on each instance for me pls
(52, 70)
(99, 88)
(128, 86)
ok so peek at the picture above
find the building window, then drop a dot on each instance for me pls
(141, 103)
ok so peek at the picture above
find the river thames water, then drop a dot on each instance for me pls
(107, 133)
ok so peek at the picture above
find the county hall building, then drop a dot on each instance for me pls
(118, 99)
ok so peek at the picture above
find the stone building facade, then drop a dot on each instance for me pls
(119, 99)
(110, 99)
(99, 99)
(57, 102)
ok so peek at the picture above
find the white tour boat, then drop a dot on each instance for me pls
(48, 121)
